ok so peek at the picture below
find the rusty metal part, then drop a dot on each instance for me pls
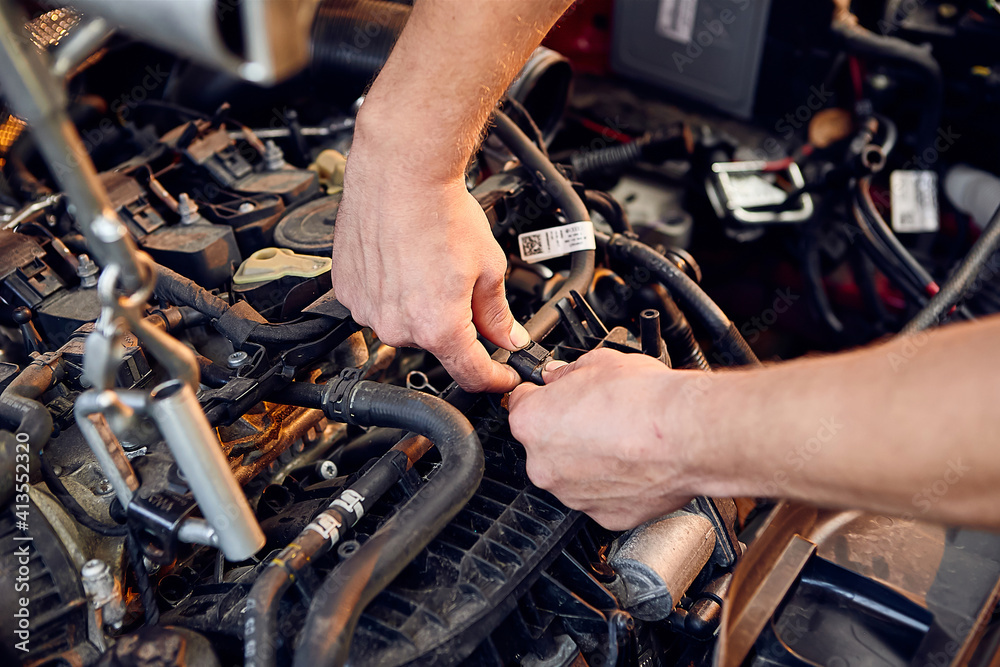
(262, 435)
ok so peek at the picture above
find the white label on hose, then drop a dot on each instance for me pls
(675, 19)
(914, 201)
(556, 241)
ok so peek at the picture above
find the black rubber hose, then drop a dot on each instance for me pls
(687, 292)
(885, 260)
(960, 281)
(550, 179)
(346, 592)
(609, 209)
(679, 337)
(674, 143)
(355, 37)
(19, 405)
(261, 617)
(861, 41)
(292, 332)
(917, 272)
(175, 288)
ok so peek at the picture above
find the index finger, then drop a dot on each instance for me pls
(471, 366)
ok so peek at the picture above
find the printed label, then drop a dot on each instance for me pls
(556, 241)
(751, 190)
(914, 201)
(675, 19)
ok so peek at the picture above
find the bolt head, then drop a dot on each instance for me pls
(328, 470)
(237, 359)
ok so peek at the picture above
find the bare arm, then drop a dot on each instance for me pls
(907, 428)
(414, 257)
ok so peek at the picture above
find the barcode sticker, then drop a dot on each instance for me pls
(914, 201)
(675, 19)
(556, 241)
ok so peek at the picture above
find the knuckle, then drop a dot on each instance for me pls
(539, 474)
(433, 337)
(473, 383)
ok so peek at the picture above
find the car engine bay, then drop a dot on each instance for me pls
(206, 461)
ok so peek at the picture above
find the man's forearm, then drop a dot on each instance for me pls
(909, 428)
(452, 63)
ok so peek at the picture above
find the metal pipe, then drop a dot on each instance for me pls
(177, 413)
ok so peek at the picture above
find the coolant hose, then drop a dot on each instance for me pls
(550, 179)
(685, 353)
(19, 404)
(175, 288)
(346, 592)
(960, 281)
(690, 296)
(323, 532)
(608, 208)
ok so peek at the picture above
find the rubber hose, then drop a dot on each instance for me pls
(261, 617)
(175, 288)
(960, 281)
(688, 293)
(609, 209)
(346, 592)
(679, 337)
(550, 179)
(19, 406)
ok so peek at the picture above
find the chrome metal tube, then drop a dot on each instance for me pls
(178, 415)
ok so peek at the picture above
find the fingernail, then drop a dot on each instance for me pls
(519, 336)
(554, 366)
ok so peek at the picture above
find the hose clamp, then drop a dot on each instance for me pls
(338, 394)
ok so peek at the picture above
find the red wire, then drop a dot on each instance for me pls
(856, 79)
(605, 130)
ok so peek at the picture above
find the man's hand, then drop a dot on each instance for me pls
(416, 261)
(413, 255)
(598, 436)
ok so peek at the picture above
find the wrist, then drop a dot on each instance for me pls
(717, 441)
(409, 144)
